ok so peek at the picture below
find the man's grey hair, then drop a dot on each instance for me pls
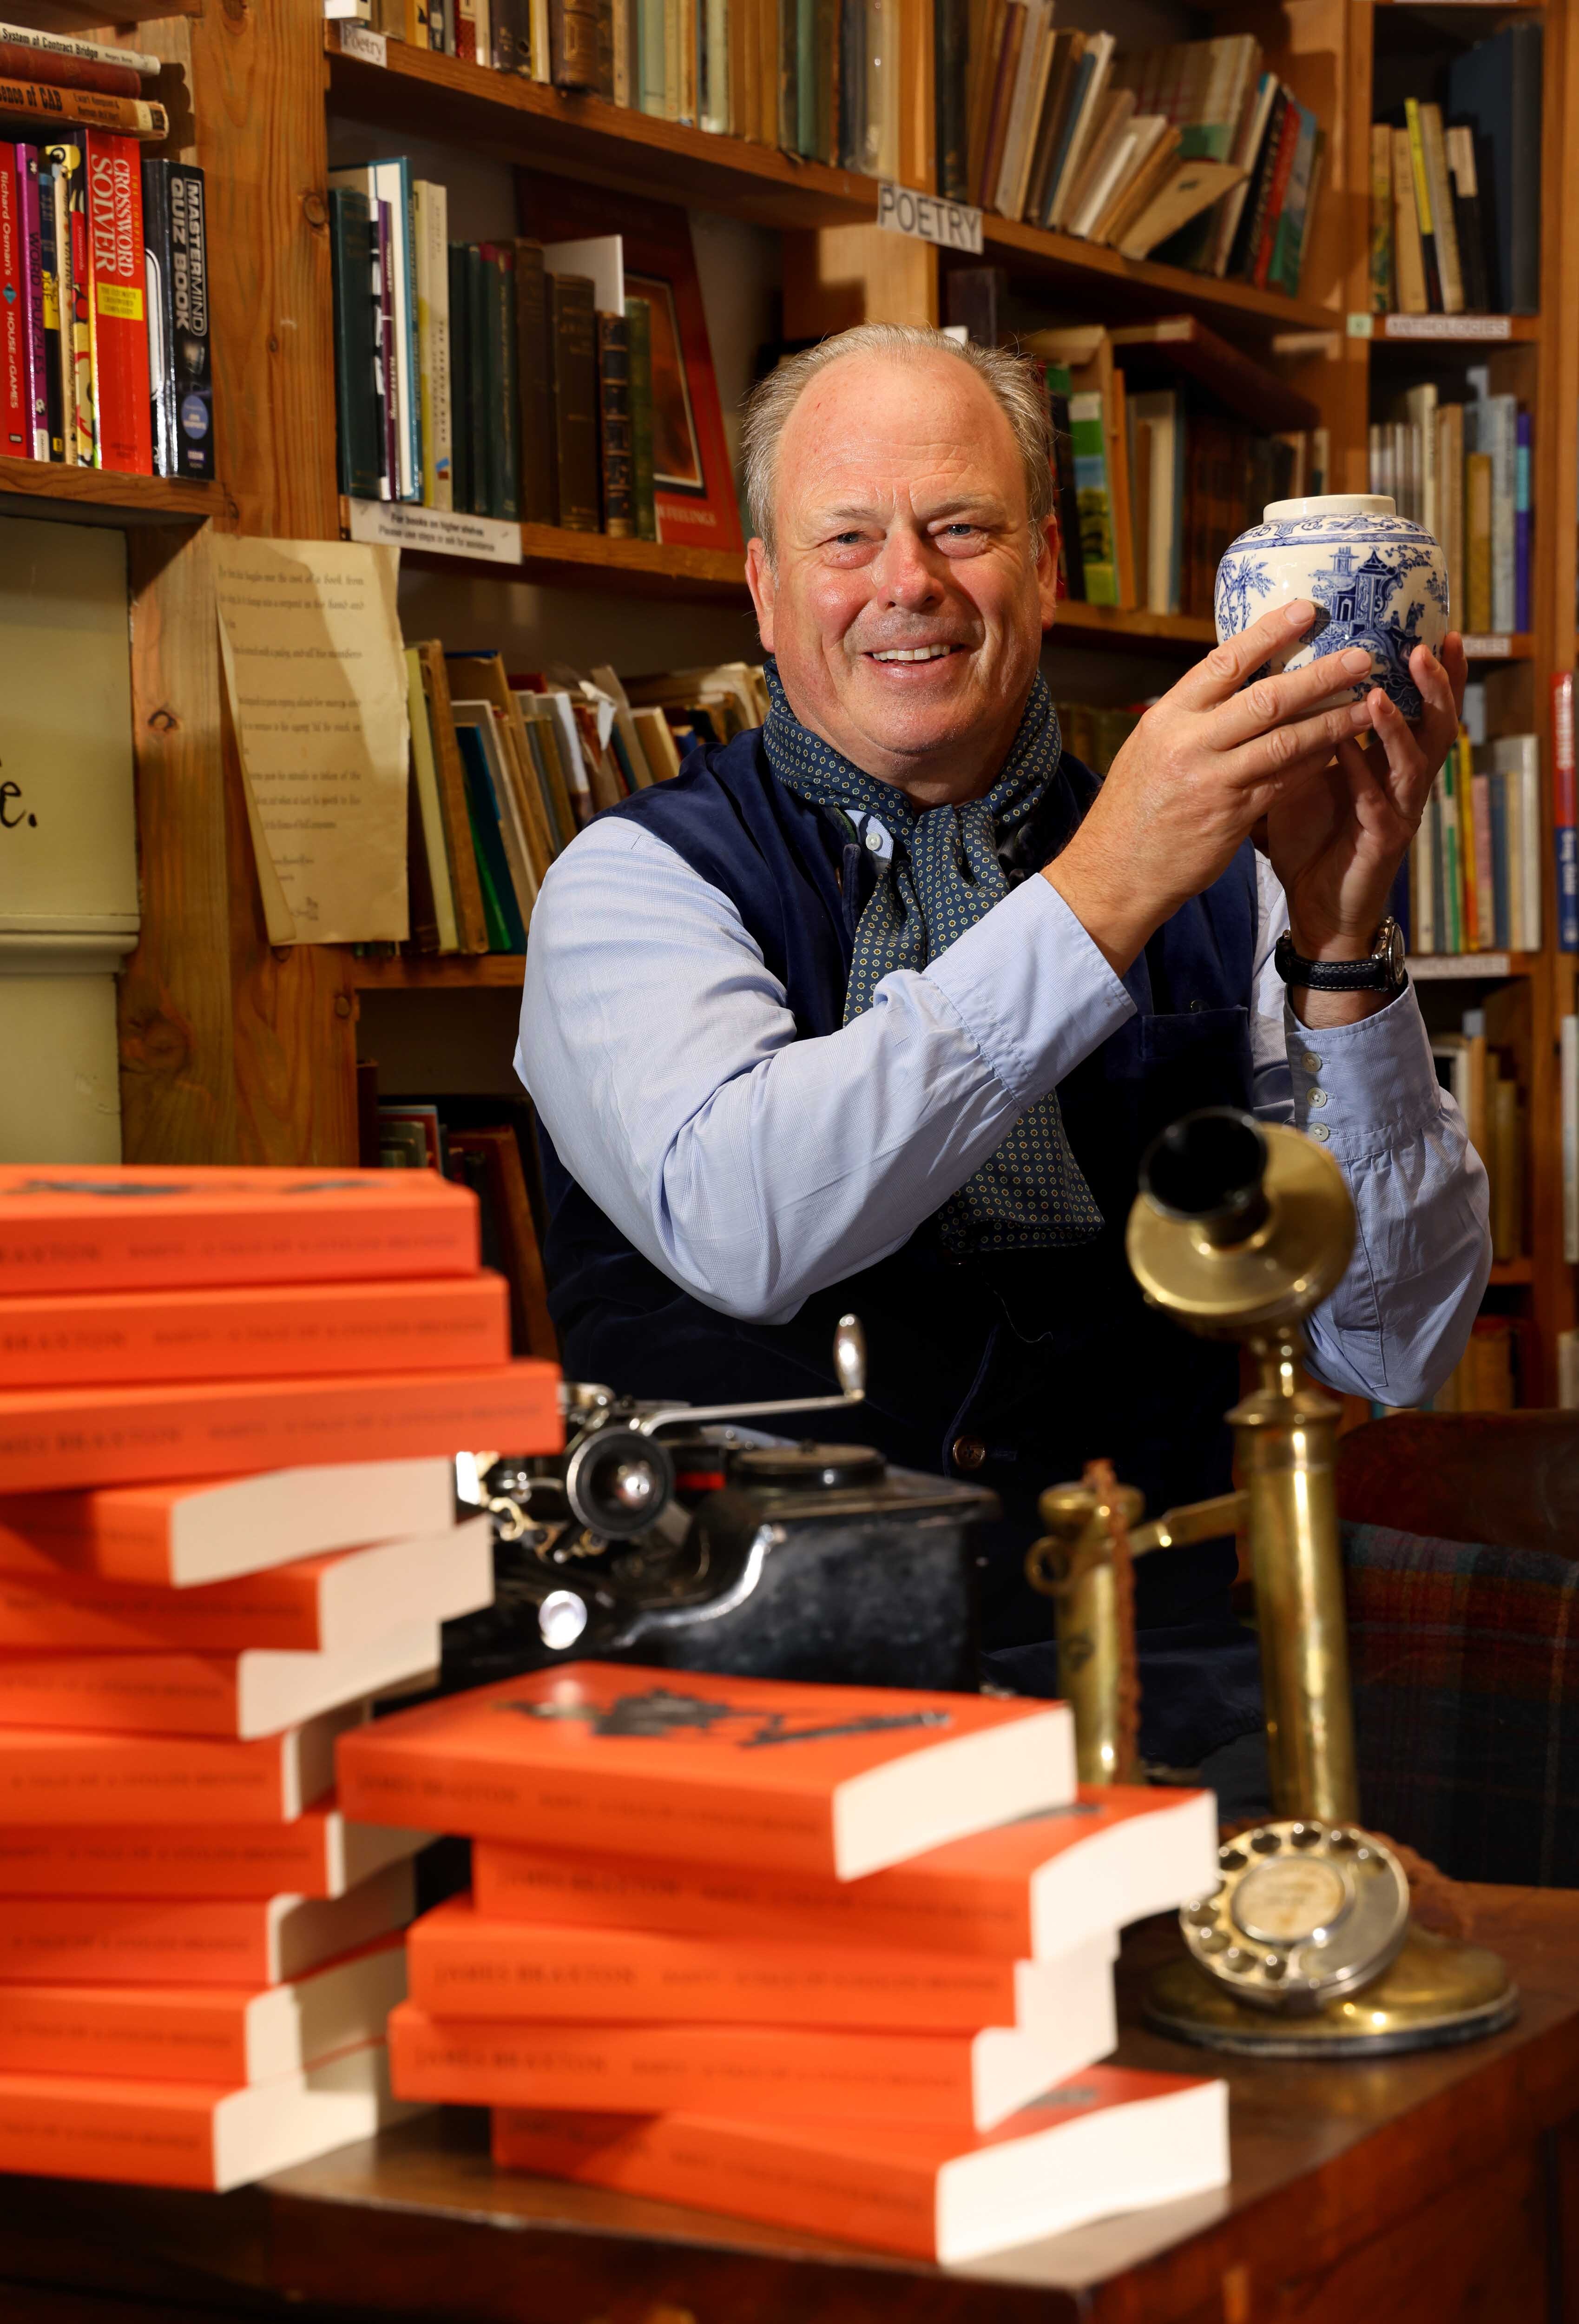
(1015, 384)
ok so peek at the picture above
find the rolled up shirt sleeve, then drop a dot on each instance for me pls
(1400, 1318)
(752, 1166)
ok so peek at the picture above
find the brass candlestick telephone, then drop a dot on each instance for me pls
(1305, 1946)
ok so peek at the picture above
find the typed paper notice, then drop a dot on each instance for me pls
(315, 669)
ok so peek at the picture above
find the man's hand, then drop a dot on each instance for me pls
(1337, 842)
(1205, 766)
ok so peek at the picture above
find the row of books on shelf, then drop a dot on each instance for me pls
(1456, 188)
(105, 358)
(1189, 153)
(1476, 865)
(1462, 470)
(518, 380)
(1483, 1079)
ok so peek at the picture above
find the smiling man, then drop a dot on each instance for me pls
(877, 1008)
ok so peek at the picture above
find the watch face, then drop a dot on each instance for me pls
(1393, 954)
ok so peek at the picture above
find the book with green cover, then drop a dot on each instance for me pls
(503, 399)
(505, 930)
(484, 384)
(638, 333)
(356, 430)
(1094, 498)
(462, 483)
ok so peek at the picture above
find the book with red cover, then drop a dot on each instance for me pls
(195, 1940)
(1111, 2140)
(277, 1330)
(971, 2079)
(16, 400)
(48, 1776)
(216, 2033)
(159, 2134)
(465, 1965)
(838, 1780)
(255, 1692)
(1029, 1889)
(119, 320)
(101, 1226)
(320, 1854)
(183, 1536)
(76, 1436)
(318, 1606)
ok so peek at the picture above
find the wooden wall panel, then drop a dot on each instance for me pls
(846, 274)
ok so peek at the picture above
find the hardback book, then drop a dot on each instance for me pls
(1494, 89)
(357, 425)
(430, 264)
(539, 498)
(246, 1941)
(19, 61)
(1444, 223)
(435, 926)
(16, 394)
(1381, 262)
(173, 2133)
(614, 445)
(129, 117)
(64, 1438)
(1425, 215)
(1111, 2139)
(465, 1965)
(255, 1692)
(38, 398)
(1033, 1889)
(108, 1227)
(971, 2079)
(574, 337)
(839, 1780)
(470, 920)
(319, 1854)
(50, 1778)
(119, 322)
(499, 1151)
(251, 1331)
(507, 887)
(391, 181)
(178, 1536)
(504, 418)
(572, 27)
(1468, 216)
(229, 2035)
(66, 159)
(463, 477)
(56, 341)
(180, 371)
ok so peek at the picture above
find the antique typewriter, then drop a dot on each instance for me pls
(687, 1537)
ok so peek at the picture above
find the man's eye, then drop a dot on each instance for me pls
(845, 540)
(958, 531)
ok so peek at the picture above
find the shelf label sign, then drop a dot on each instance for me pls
(362, 40)
(1449, 327)
(927, 217)
(444, 532)
(1485, 645)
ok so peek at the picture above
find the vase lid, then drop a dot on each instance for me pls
(1330, 504)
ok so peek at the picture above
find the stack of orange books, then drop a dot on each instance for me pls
(230, 1403)
(833, 1957)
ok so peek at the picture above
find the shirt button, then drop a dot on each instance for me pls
(1319, 1097)
(1318, 1131)
(1312, 1062)
(969, 1452)
(874, 839)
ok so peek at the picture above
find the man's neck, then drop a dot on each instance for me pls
(948, 775)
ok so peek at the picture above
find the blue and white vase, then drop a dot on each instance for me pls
(1376, 580)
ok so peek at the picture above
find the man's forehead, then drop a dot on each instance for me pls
(866, 434)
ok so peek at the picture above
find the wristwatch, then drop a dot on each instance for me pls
(1382, 970)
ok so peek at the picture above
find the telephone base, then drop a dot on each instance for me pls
(1437, 1992)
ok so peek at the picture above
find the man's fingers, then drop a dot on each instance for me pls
(1226, 666)
(1411, 763)
(1440, 699)
(1456, 662)
(1275, 701)
(1291, 750)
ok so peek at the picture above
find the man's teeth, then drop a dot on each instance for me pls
(914, 653)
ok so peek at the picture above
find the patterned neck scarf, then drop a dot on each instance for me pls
(944, 874)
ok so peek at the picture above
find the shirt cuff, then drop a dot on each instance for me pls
(1363, 1088)
(1031, 989)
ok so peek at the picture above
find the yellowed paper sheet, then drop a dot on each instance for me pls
(316, 673)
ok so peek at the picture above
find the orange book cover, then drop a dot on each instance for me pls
(108, 1227)
(972, 2079)
(181, 1535)
(220, 2033)
(319, 1855)
(319, 1605)
(158, 2133)
(73, 1438)
(1028, 1889)
(465, 1965)
(837, 1780)
(253, 1331)
(1111, 2140)
(48, 1776)
(193, 1940)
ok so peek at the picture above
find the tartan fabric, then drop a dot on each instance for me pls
(944, 876)
(1465, 1667)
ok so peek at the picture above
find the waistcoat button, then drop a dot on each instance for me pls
(969, 1452)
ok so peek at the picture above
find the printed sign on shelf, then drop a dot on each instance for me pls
(926, 217)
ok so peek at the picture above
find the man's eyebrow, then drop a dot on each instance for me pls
(987, 504)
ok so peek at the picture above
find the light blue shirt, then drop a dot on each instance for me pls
(754, 1169)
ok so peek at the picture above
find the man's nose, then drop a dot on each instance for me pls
(906, 571)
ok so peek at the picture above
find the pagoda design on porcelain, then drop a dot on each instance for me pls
(1377, 580)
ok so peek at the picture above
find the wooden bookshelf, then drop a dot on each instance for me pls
(100, 496)
(416, 972)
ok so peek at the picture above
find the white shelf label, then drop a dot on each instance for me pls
(444, 532)
(1481, 646)
(362, 40)
(926, 217)
(1445, 967)
(1448, 327)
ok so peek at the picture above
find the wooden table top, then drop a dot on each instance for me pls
(1340, 2172)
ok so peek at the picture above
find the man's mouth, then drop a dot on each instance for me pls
(915, 653)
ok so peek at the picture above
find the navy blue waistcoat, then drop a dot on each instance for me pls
(1047, 1360)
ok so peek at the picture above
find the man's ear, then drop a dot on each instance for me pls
(1047, 572)
(761, 582)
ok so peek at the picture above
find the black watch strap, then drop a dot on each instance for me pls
(1382, 970)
